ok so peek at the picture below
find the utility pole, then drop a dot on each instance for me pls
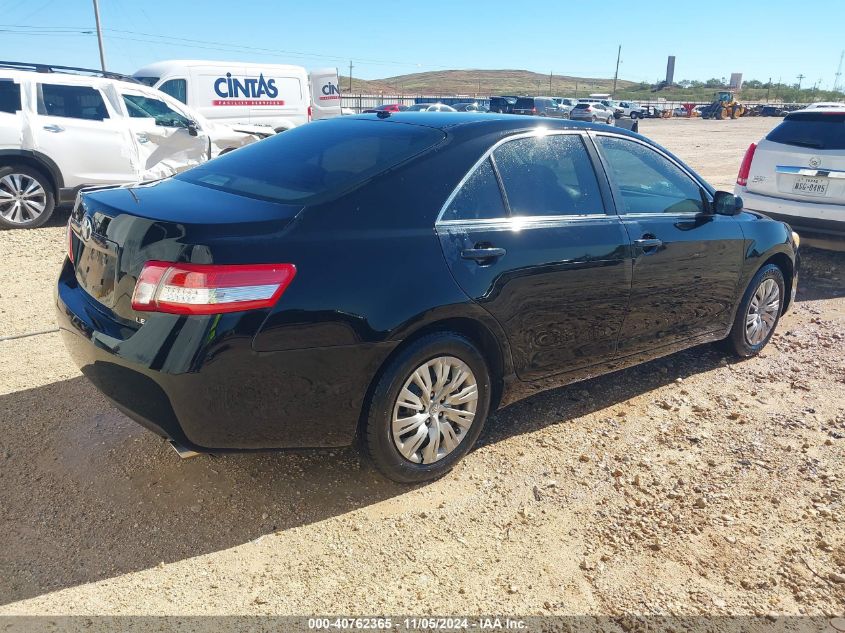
(576, 88)
(350, 76)
(99, 34)
(550, 82)
(616, 75)
(800, 79)
(768, 88)
(838, 74)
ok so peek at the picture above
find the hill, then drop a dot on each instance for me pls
(483, 82)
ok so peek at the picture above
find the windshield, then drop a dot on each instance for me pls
(314, 162)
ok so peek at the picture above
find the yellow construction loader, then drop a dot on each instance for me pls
(724, 106)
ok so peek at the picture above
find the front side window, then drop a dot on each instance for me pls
(548, 175)
(176, 88)
(10, 96)
(73, 102)
(140, 107)
(479, 198)
(647, 181)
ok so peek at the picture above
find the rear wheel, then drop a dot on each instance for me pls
(26, 197)
(428, 408)
(594, 118)
(758, 313)
(634, 115)
(609, 120)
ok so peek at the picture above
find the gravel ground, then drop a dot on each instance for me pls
(689, 485)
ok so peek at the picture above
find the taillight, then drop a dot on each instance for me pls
(309, 113)
(69, 242)
(533, 110)
(208, 288)
(745, 167)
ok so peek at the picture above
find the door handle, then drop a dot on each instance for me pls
(648, 243)
(54, 128)
(483, 254)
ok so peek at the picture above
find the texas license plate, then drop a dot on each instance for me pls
(810, 186)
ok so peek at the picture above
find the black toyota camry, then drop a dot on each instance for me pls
(394, 278)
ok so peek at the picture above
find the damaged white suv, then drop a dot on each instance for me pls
(62, 129)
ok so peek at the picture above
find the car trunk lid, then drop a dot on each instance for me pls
(114, 232)
(802, 159)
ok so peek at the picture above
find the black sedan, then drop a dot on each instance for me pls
(394, 278)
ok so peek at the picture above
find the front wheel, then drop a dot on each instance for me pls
(609, 120)
(634, 115)
(758, 313)
(428, 408)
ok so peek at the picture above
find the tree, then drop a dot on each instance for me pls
(713, 83)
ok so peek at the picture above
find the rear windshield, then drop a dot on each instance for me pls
(314, 162)
(524, 104)
(583, 106)
(813, 130)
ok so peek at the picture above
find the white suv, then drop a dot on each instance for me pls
(61, 131)
(797, 173)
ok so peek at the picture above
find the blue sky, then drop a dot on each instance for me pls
(760, 38)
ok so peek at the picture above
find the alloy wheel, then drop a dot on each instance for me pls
(762, 312)
(434, 410)
(22, 198)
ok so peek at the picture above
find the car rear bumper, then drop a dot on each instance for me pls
(812, 217)
(172, 376)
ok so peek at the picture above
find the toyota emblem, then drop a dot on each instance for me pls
(815, 161)
(87, 229)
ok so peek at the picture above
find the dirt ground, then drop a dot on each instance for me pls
(690, 485)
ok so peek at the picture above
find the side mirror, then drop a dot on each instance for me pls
(193, 129)
(725, 203)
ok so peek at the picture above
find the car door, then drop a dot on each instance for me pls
(687, 260)
(528, 237)
(167, 141)
(83, 133)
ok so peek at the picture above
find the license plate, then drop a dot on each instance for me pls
(811, 186)
(96, 271)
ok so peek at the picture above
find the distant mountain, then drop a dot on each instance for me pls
(483, 82)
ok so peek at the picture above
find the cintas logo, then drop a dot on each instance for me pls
(229, 87)
(330, 91)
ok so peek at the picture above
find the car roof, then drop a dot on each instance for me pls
(488, 121)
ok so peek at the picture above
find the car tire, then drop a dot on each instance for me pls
(411, 453)
(609, 120)
(32, 201)
(634, 115)
(757, 309)
(594, 118)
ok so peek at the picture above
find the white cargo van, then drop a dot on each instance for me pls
(276, 95)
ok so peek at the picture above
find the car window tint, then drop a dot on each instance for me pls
(10, 96)
(548, 175)
(75, 102)
(315, 162)
(176, 88)
(479, 198)
(648, 182)
(822, 131)
(146, 107)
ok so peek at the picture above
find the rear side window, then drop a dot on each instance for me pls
(812, 130)
(314, 162)
(176, 88)
(10, 96)
(548, 175)
(74, 102)
(479, 198)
